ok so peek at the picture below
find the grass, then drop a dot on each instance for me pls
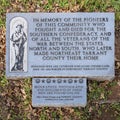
(43, 115)
(27, 89)
(3, 81)
(3, 7)
(95, 92)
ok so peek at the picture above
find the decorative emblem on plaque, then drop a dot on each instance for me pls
(48, 80)
(37, 80)
(18, 45)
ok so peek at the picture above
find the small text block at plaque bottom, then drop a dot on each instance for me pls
(59, 92)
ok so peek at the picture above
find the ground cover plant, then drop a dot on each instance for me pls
(15, 95)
